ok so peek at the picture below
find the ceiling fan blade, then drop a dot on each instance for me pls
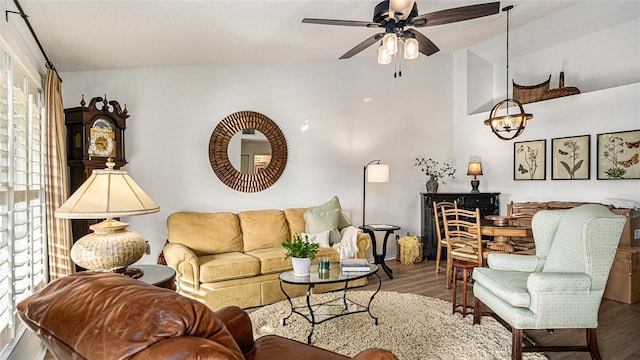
(456, 14)
(341, 22)
(363, 45)
(426, 46)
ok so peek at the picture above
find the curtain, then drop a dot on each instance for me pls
(58, 230)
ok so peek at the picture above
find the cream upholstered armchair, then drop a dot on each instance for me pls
(559, 287)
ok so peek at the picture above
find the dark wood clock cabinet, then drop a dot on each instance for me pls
(488, 203)
(94, 134)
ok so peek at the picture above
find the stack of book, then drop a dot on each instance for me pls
(354, 265)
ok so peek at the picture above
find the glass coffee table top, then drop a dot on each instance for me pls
(334, 275)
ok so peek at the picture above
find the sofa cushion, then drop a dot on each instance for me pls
(227, 266)
(333, 204)
(295, 219)
(317, 221)
(263, 229)
(205, 233)
(271, 260)
(321, 238)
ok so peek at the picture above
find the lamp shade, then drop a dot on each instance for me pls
(378, 173)
(475, 168)
(107, 194)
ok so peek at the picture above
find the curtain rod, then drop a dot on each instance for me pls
(24, 16)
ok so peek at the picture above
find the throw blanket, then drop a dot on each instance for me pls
(348, 245)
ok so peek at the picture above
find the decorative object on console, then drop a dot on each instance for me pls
(435, 171)
(372, 172)
(619, 155)
(529, 160)
(570, 158)
(219, 149)
(108, 194)
(394, 15)
(475, 169)
(507, 126)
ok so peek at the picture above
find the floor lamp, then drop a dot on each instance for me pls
(376, 173)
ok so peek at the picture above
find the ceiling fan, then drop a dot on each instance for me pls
(395, 15)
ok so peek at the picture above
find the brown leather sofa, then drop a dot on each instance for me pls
(93, 315)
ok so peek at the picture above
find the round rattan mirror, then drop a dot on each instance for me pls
(219, 151)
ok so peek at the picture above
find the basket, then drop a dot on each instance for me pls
(528, 94)
(420, 253)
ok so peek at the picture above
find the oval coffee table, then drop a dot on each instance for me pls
(337, 307)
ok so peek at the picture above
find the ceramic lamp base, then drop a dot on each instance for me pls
(109, 248)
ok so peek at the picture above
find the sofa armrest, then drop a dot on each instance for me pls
(375, 354)
(185, 263)
(512, 262)
(364, 243)
(187, 348)
(239, 325)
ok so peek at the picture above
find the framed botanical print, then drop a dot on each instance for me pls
(529, 160)
(619, 155)
(570, 158)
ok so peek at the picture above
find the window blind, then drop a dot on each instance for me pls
(22, 228)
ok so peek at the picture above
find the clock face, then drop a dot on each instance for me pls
(102, 143)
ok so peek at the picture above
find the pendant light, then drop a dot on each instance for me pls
(508, 126)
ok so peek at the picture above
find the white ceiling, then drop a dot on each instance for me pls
(106, 34)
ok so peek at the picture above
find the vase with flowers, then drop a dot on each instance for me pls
(435, 171)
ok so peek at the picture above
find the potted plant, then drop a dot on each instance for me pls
(301, 252)
(436, 172)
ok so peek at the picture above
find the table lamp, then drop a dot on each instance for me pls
(376, 173)
(108, 194)
(475, 169)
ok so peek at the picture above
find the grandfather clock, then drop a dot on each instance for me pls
(94, 134)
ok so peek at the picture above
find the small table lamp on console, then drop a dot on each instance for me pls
(475, 169)
(108, 194)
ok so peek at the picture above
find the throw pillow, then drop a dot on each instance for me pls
(321, 238)
(318, 221)
(332, 204)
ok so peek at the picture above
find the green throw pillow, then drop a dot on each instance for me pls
(332, 204)
(318, 221)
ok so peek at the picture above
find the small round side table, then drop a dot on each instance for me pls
(158, 275)
(467, 271)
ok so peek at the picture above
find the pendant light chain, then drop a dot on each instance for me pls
(507, 57)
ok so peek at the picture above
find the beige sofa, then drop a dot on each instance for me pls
(224, 259)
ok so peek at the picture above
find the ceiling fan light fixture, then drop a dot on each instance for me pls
(390, 43)
(383, 57)
(411, 48)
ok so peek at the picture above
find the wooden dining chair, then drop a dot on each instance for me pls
(442, 241)
(464, 239)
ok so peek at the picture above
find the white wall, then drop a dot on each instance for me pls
(355, 109)
(603, 64)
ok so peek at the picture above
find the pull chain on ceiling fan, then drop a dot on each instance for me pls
(394, 16)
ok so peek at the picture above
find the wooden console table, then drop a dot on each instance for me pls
(488, 203)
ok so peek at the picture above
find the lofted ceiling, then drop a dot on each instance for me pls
(106, 34)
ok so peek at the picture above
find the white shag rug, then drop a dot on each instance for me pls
(413, 327)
